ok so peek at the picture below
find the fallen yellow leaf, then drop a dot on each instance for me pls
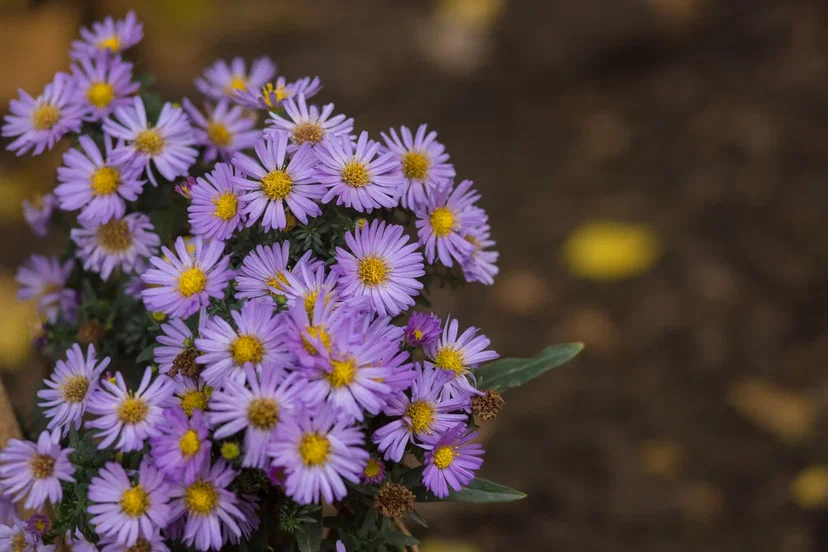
(788, 414)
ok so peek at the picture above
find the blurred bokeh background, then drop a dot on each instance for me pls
(656, 172)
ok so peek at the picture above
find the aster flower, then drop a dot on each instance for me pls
(459, 355)
(450, 460)
(354, 177)
(124, 510)
(257, 343)
(305, 284)
(155, 543)
(35, 469)
(38, 525)
(262, 273)
(272, 96)
(181, 444)
(168, 144)
(70, 386)
(14, 538)
(444, 221)
(183, 282)
(38, 214)
(480, 265)
(132, 416)
(248, 505)
(278, 182)
(96, 185)
(422, 414)
(214, 209)
(374, 471)
(120, 243)
(225, 130)
(422, 329)
(422, 161)
(191, 395)
(108, 36)
(103, 83)
(208, 506)
(319, 453)
(307, 333)
(382, 265)
(222, 79)
(44, 278)
(258, 409)
(309, 123)
(38, 123)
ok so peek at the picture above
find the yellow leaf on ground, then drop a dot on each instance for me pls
(611, 250)
(788, 414)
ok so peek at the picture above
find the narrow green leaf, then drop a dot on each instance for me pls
(512, 372)
(147, 355)
(309, 537)
(480, 491)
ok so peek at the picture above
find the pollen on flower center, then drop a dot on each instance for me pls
(355, 174)
(140, 546)
(418, 334)
(100, 94)
(308, 132)
(193, 399)
(113, 43)
(317, 332)
(104, 181)
(135, 501)
(227, 205)
(314, 448)
(45, 116)
(75, 388)
(415, 165)
(218, 134)
(42, 466)
(443, 457)
(263, 413)
(277, 280)
(372, 468)
(449, 358)
(133, 410)
(421, 415)
(114, 236)
(189, 443)
(201, 498)
(247, 348)
(277, 185)
(310, 301)
(342, 373)
(442, 221)
(236, 83)
(149, 142)
(18, 542)
(372, 271)
(192, 281)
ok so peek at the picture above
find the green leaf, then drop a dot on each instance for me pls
(393, 536)
(309, 537)
(481, 491)
(512, 372)
(147, 355)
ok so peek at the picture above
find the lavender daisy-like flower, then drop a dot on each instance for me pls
(168, 144)
(422, 414)
(422, 329)
(249, 506)
(38, 213)
(103, 83)
(155, 543)
(450, 460)
(191, 395)
(181, 444)
(38, 123)
(108, 36)
(184, 283)
(208, 506)
(43, 278)
(318, 453)
(278, 182)
(70, 386)
(382, 265)
(35, 469)
(422, 161)
(13, 536)
(223, 79)
(480, 265)
(214, 208)
(38, 525)
(309, 123)
(308, 333)
(130, 416)
(120, 243)
(125, 510)
(305, 284)
(263, 270)
(272, 96)
(354, 177)
(96, 185)
(444, 221)
(257, 409)
(459, 355)
(374, 471)
(256, 343)
(224, 131)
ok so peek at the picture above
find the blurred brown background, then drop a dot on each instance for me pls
(696, 130)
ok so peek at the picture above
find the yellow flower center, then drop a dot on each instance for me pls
(114, 236)
(354, 174)
(421, 415)
(415, 165)
(42, 466)
(133, 410)
(449, 358)
(189, 443)
(140, 545)
(263, 413)
(443, 457)
(227, 204)
(75, 388)
(314, 448)
(100, 94)
(317, 332)
(149, 142)
(18, 542)
(277, 185)
(113, 43)
(372, 468)
(308, 132)
(372, 271)
(193, 399)
(276, 282)
(201, 498)
(247, 348)
(45, 116)
(236, 83)
(342, 373)
(442, 221)
(418, 334)
(192, 281)
(309, 301)
(218, 134)
(280, 91)
(135, 501)
(230, 451)
(104, 181)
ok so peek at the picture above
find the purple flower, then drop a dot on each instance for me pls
(40, 122)
(8, 510)
(225, 130)
(70, 387)
(97, 186)
(340, 547)
(278, 182)
(191, 395)
(126, 511)
(248, 505)
(258, 409)
(374, 472)
(103, 83)
(76, 542)
(262, 273)
(308, 123)
(214, 209)
(272, 96)
(35, 469)
(108, 36)
(423, 414)
(168, 144)
(354, 177)
(184, 283)
(155, 543)
(318, 452)
(44, 278)
(120, 243)
(422, 329)
(480, 265)
(38, 525)
(444, 221)
(222, 80)
(450, 460)
(38, 214)
(459, 355)
(181, 445)
(305, 284)
(309, 333)
(14, 538)
(382, 265)
(132, 416)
